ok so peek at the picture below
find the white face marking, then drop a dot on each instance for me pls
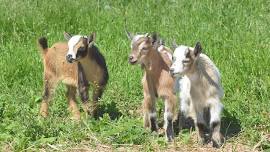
(136, 38)
(71, 43)
(179, 56)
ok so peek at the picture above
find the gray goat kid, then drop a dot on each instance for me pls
(202, 91)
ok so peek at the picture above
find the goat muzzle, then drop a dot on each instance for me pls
(69, 58)
(171, 72)
(132, 60)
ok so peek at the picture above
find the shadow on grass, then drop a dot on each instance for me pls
(230, 125)
(110, 109)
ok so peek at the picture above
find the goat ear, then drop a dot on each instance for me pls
(67, 35)
(174, 45)
(91, 39)
(161, 42)
(154, 38)
(197, 49)
(146, 35)
(129, 35)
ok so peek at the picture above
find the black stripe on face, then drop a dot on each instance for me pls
(81, 52)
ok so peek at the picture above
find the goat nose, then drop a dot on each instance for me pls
(69, 58)
(130, 58)
(171, 70)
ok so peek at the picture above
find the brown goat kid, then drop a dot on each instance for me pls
(157, 82)
(91, 67)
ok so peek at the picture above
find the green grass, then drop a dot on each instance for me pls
(234, 33)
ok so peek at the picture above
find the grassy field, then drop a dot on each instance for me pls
(234, 33)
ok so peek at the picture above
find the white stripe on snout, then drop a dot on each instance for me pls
(136, 38)
(71, 44)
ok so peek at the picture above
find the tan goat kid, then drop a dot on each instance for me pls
(156, 81)
(201, 91)
(90, 67)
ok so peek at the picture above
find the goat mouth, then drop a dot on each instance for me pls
(174, 74)
(133, 61)
(72, 60)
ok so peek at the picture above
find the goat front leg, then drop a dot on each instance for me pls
(185, 111)
(83, 87)
(185, 104)
(170, 103)
(71, 95)
(201, 126)
(149, 111)
(97, 93)
(215, 122)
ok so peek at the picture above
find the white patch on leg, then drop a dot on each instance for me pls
(167, 115)
(146, 119)
(152, 114)
(216, 108)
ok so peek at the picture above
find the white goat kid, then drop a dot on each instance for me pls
(201, 90)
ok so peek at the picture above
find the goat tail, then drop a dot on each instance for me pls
(43, 44)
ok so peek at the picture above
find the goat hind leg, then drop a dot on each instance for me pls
(215, 122)
(201, 127)
(49, 86)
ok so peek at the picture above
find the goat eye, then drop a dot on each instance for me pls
(185, 61)
(81, 49)
(144, 48)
